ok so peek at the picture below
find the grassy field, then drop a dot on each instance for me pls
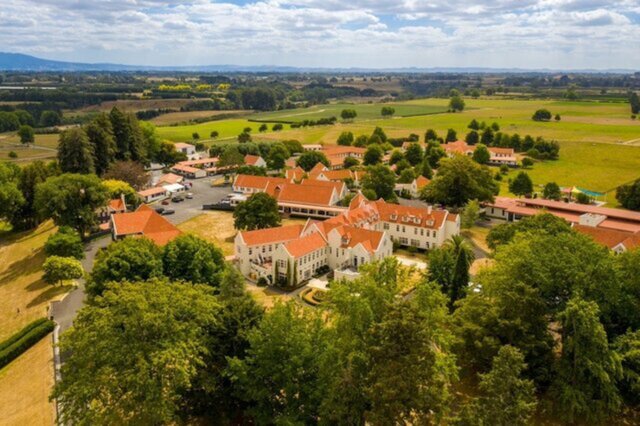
(181, 117)
(217, 227)
(41, 150)
(25, 385)
(225, 129)
(24, 297)
(365, 111)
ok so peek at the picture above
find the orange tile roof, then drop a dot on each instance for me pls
(144, 221)
(296, 173)
(251, 160)
(504, 151)
(415, 216)
(317, 169)
(344, 150)
(179, 145)
(170, 178)
(185, 168)
(422, 181)
(338, 174)
(152, 191)
(357, 200)
(607, 237)
(305, 245)
(460, 147)
(271, 235)
(117, 205)
(338, 186)
(257, 182)
(353, 236)
(199, 162)
(301, 194)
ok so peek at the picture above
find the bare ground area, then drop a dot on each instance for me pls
(25, 385)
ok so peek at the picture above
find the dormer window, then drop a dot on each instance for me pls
(430, 222)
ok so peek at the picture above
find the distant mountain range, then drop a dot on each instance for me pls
(21, 62)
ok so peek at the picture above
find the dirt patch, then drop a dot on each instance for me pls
(267, 296)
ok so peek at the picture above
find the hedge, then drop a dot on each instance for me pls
(17, 336)
(17, 344)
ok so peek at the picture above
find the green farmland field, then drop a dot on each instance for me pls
(365, 111)
(600, 143)
(225, 128)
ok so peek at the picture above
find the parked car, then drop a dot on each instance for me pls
(177, 199)
(167, 211)
(159, 210)
(165, 202)
(190, 195)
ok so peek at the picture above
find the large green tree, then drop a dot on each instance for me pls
(66, 242)
(585, 387)
(459, 180)
(71, 200)
(310, 158)
(258, 212)
(131, 259)
(100, 134)
(191, 258)
(31, 175)
(281, 375)
(629, 195)
(521, 184)
(11, 199)
(381, 180)
(135, 353)
(75, 153)
(507, 398)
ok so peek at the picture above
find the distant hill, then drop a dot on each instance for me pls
(21, 62)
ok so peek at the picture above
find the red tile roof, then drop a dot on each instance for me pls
(295, 174)
(353, 236)
(305, 245)
(460, 147)
(422, 181)
(414, 216)
(504, 151)
(344, 151)
(152, 191)
(251, 160)
(257, 182)
(117, 205)
(271, 235)
(170, 178)
(608, 237)
(301, 194)
(185, 168)
(144, 221)
(338, 175)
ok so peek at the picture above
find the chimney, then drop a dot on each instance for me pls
(124, 203)
(429, 208)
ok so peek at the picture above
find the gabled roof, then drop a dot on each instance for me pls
(460, 147)
(180, 145)
(252, 160)
(152, 191)
(117, 205)
(352, 237)
(184, 168)
(257, 182)
(296, 173)
(344, 150)
(414, 216)
(609, 237)
(338, 186)
(271, 235)
(504, 151)
(144, 221)
(317, 169)
(170, 178)
(305, 245)
(422, 181)
(301, 194)
(338, 175)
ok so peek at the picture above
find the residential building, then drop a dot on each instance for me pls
(189, 172)
(187, 149)
(513, 209)
(412, 188)
(154, 194)
(313, 147)
(254, 160)
(497, 156)
(295, 174)
(169, 179)
(143, 222)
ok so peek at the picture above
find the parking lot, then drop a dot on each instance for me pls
(203, 193)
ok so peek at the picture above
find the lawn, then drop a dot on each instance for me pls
(185, 116)
(217, 227)
(365, 111)
(24, 297)
(41, 150)
(25, 385)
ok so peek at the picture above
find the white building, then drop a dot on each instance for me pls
(364, 233)
(154, 194)
(187, 149)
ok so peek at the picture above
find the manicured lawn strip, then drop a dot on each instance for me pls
(23, 340)
(225, 129)
(17, 336)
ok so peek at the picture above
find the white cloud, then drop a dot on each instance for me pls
(375, 33)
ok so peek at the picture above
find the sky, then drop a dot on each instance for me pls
(531, 34)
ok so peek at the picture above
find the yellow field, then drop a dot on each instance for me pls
(25, 385)
(24, 297)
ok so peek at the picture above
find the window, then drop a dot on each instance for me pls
(404, 241)
(415, 243)
(264, 249)
(398, 228)
(422, 232)
(250, 252)
(404, 229)
(385, 226)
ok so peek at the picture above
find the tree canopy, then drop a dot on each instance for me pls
(257, 212)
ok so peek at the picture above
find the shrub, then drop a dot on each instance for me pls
(13, 154)
(262, 282)
(65, 243)
(23, 340)
(541, 115)
(582, 198)
(60, 269)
